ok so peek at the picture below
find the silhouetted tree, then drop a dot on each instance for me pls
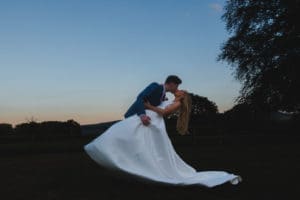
(6, 129)
(30, 129)
(242, 112)
(202, 106)
(48, 129)
(264, 50)
(203, 115)
(248, 118)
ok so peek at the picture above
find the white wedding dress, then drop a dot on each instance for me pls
(146, 152)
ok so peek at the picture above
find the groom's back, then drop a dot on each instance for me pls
(151, 93)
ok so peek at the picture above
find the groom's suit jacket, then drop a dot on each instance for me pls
(154, 93)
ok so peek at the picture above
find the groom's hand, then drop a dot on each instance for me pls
(145, 119)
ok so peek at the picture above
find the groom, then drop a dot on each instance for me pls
(154, 93)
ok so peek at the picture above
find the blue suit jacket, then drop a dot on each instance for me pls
(153, 93)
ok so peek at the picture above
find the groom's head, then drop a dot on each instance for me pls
(172, 82)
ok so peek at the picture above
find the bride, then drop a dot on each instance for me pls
(146, 152)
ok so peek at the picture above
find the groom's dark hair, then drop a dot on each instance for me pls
(173, 79)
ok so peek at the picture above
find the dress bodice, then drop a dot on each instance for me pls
(164, 104)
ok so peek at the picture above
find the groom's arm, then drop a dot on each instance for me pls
(141, 97)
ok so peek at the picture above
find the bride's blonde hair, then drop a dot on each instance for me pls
(184, 111)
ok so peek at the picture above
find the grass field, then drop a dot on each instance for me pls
(61, 170)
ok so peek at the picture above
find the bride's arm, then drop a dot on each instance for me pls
(164, 112)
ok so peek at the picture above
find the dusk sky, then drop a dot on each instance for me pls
(88, 59)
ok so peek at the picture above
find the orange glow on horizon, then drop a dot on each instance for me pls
(80, 118)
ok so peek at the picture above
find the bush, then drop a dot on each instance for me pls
(6, 129)
(48, 129)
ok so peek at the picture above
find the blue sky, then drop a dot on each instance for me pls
(88, 59)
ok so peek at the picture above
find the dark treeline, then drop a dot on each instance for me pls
(205, 120)
(243, 118)
(247, 123)
(44, 130)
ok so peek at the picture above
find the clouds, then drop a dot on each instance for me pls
(216, 7)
